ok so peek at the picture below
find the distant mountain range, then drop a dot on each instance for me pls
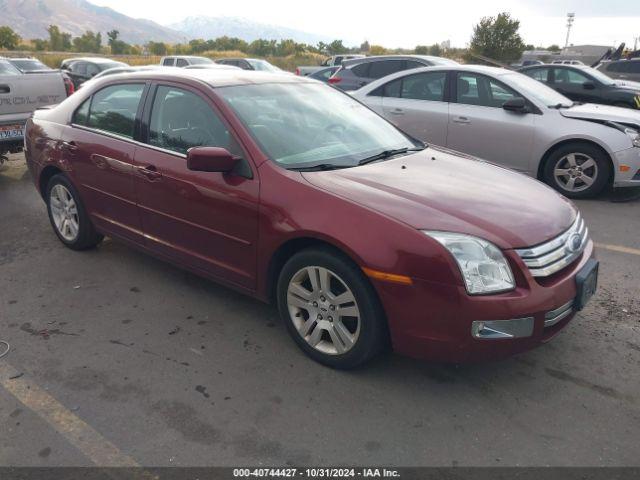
(213, 27)
(31, 18)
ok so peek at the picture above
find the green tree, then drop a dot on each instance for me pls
(58, 41)
(157, 48)
(9, 39)
(435, 50)
(88, 42)
(553, 48)
(497, 38)
(421, 50)
(336, 48)
(118, 47)
(40, 44)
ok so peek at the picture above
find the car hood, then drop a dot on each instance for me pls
(591, 111)
(436, 189)
(627, 85)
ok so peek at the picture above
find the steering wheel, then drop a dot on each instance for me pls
(333, 128)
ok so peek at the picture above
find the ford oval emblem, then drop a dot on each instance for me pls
(573, 243)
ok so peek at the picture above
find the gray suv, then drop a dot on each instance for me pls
(622, 69)
(357, 73)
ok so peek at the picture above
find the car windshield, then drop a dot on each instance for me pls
(306, 124)
(29, 65)
(199, 60)
(7, 69)
(533, 88)
(262, 65)
(600, 77)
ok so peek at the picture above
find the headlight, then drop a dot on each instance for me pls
(483, 267)
(634, 135)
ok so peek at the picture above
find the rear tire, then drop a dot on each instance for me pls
(68, 216)
(314, 287)
(577, 170)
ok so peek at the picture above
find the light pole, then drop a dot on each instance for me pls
(570, 18)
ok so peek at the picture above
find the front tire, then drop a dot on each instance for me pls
(330, 309)
(68, 216)
(577, 170)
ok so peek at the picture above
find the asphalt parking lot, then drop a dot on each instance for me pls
(119, 359)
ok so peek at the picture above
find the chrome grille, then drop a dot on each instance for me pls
(552, 256)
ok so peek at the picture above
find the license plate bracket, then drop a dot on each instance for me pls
(586, 283)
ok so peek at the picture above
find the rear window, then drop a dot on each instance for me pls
(113, 109)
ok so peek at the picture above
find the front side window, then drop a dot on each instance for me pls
(181, 62)
(113, 109)
(181, 119)
(474, 89)
(92, 70)
(305, 124)
(565, 75)
(167, 62)
(361, 70)
(633, 66)
(79, 68)
(7, 69)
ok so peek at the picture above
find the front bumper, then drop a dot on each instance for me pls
(623, 176)
(434, 321)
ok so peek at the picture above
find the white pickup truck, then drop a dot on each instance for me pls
(333, 61)
(21, 94)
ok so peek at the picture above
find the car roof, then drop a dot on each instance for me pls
(212, 77)
(374, 58)
(91, 59)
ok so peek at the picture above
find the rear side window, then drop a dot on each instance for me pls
(474, 89)
(424, 86)
(181, 120)
(614, 67)
(92, 69)
(81, 115)
(113, 109)
(633, 66)
(79, 67)
(181, 62)
(540, 74)
(361, 70)
(167, 62)
(385, 67)
(413, 64)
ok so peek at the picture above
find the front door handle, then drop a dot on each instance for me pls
(71, 146)
(4, 88)
(462, 120)
(397, 111)
(150, 172)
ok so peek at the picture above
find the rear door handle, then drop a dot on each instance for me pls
(5, 88)
(463, 120)
(151, 172)
(397, 111)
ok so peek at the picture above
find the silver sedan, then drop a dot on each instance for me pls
(510, 119)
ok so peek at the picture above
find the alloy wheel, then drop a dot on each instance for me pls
(575, 172)
(64, 212)
(323, 310)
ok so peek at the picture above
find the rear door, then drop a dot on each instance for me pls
(207, 220)
(417, 105)
(478, 125)
(100, 146)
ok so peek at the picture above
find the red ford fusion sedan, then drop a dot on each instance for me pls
(295, 193)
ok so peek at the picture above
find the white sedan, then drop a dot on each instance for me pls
(510, 119)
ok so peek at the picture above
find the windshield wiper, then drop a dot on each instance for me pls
(319, 167)
(385, 154)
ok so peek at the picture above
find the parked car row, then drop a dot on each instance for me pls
(296, 193)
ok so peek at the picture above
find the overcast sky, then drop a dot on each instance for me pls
(406, 23)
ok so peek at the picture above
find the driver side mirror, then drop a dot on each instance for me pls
(516, 104)
(588, 85)
(210, 159)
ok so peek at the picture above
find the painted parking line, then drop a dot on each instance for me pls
(76, 431)
(618, 248)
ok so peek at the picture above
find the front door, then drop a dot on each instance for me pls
(479, 126)
(207, 220)
(98, 147)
